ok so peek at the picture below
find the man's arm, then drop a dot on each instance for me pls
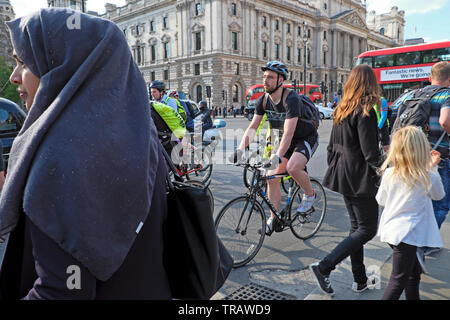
(249, 134)
(444, 118)
(289, 129)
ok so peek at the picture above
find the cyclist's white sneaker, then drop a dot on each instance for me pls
(307, 203)
(269, 226)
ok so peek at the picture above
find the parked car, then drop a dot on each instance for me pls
(325, 113)
(194, 105)
(249, 111)
(12, 118)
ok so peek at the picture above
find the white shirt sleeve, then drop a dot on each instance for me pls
(382, 192)
(437, 191)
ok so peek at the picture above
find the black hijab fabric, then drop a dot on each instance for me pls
(83, 166)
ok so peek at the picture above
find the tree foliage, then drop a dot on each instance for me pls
(7, 89)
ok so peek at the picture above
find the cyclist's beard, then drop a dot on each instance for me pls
(277, 87)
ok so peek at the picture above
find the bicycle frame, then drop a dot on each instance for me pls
(280, 214)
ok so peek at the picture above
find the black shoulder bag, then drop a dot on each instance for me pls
(196, 261)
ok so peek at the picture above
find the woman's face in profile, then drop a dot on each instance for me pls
(26, 81)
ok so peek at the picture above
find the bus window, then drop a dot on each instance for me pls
(407, 58)
(384, 61)
(365, 60)
(312, 90)
(436, 55)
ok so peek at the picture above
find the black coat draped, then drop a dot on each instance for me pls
(353, 155)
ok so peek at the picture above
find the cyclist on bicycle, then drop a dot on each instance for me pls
(298, 138)
(158, 92)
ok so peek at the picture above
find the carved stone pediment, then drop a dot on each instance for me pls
(197, 27)
(234, 26)
(153, 41)
(165, 38)
(265, 37)
(353, 18)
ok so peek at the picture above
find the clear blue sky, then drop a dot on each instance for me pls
(428, 19)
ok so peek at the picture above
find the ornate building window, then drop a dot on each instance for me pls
(264, 22)
(152, 53)
(235, 93)
(233, 9)
(138, 53)
(264, 49)
(277, 51)
(382, 31)
(166, 50)
(197, 69)
(198, 91)
(288, 53)
(234, 41)
(198, 9)
(277, 24)
(236, 68)
(198, 41)
(165, 22)
(288, 28)
(152, 26)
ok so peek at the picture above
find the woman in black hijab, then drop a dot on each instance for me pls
(82, 197)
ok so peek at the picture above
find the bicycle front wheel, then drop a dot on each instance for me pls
(305, 225)
(201, 167)
(241, 229)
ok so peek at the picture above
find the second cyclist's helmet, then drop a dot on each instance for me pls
(278, 67)
(158, 85)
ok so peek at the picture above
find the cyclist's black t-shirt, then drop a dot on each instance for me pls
(277, 114)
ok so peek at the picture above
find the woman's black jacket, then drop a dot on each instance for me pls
(353, 156)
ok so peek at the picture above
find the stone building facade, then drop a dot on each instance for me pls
(6, 14)
(191, 44)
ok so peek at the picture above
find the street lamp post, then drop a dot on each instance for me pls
(168, 72)
(305, 42)
(82, 6)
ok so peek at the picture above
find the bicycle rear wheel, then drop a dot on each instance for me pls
(241, 238)
(201, 166)
(305, 225)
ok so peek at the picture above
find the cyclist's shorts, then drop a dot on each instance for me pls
(306, 146)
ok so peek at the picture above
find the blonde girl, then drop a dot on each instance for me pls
(410, 181)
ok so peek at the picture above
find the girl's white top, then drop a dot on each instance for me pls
(408, 214)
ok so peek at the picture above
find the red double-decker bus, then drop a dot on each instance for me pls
(257, 90)
(404, 68)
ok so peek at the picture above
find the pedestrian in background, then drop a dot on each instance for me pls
(353, 159)
(410, 181)
(84, 197)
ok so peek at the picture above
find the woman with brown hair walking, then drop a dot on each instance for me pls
(353, 158)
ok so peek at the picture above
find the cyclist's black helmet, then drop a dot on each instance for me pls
(158, 85)
(278, 67)
(203, 105)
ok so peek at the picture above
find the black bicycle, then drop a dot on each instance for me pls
(241, 223)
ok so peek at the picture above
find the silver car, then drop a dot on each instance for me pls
(325, 113)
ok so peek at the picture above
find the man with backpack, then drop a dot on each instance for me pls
(296, 119)
(158, 93)
(429, 108)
